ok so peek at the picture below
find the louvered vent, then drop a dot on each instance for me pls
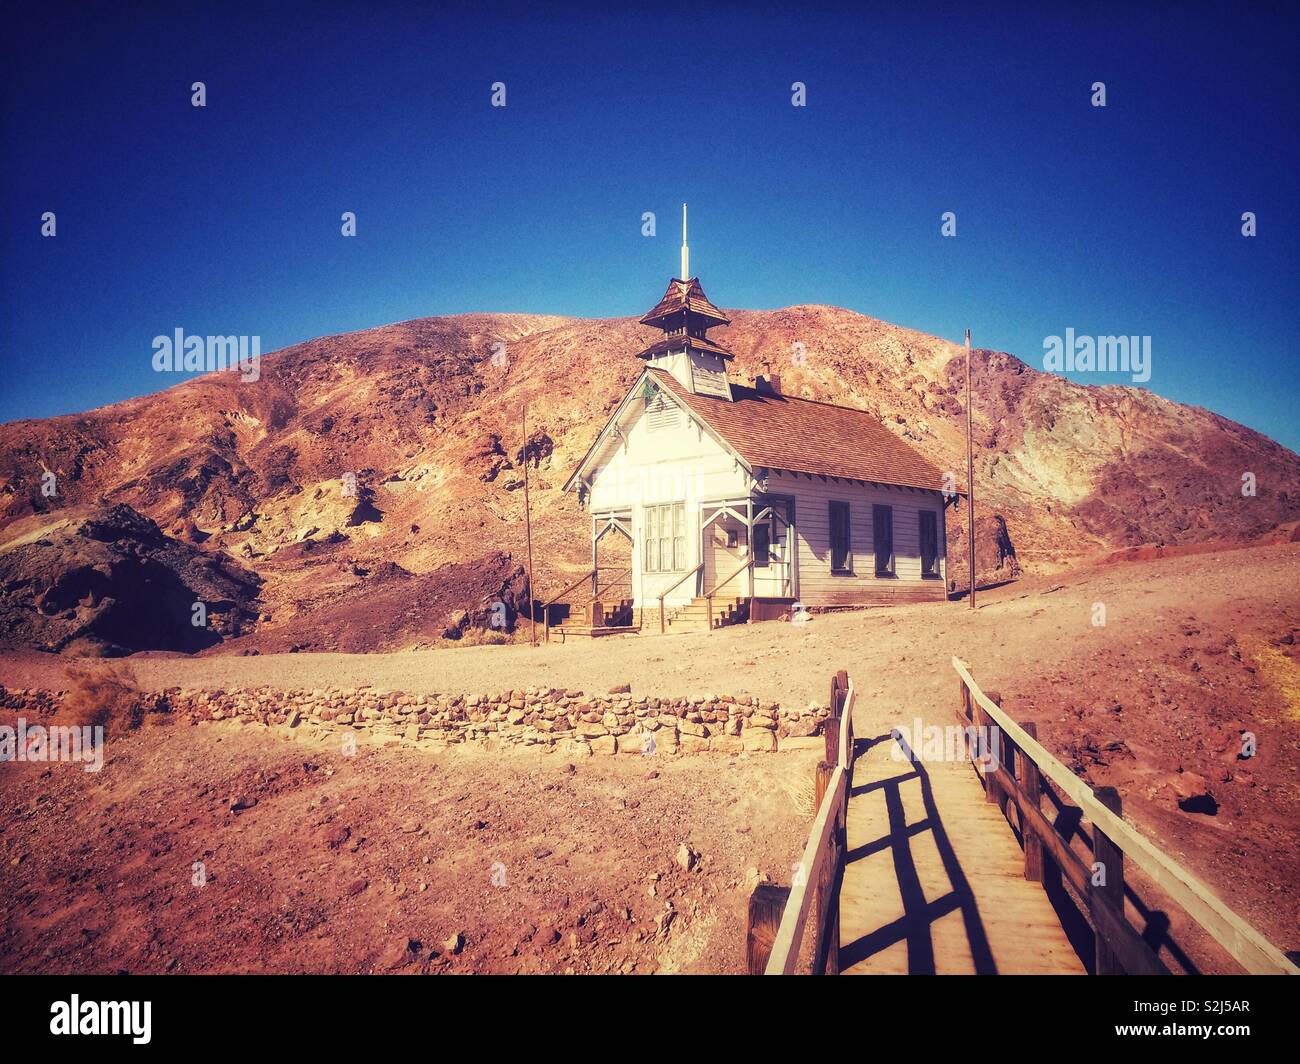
(662, 414)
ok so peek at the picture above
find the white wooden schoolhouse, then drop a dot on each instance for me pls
(744, 504)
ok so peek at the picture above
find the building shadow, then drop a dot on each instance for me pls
(961, 593)
(919, 914)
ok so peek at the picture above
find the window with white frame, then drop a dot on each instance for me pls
(664, 532)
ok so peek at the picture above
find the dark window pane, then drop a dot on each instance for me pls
(929, 543)
(839, 523)
(882, 527)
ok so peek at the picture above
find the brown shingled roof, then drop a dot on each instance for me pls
(679, 341)
(803, 436)
(685, 296)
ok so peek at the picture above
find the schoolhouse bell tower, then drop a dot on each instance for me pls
(685, 316)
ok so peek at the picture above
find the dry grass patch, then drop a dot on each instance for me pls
(103, 695)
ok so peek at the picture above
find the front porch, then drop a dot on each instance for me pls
(661, 567)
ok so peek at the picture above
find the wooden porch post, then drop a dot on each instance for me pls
(792, 550)
(700, 577)
(595, 569)
(749, 518)
(943, 539)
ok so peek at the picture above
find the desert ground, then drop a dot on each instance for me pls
(384, 861)
(387, 861)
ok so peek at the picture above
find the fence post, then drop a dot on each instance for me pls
(964, 716)
(831, 729)
(1111, 891)
(1031, 782)
(826, 944)
(842, 855)
(992, 792)
(766, 905)
(821, 781)
(1008, 756)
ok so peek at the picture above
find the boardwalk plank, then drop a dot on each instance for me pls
(935, 878)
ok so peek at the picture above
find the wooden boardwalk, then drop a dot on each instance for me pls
(934, 877)
(914, 867)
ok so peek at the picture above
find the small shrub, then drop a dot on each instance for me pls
(479, 637)
(103, 695)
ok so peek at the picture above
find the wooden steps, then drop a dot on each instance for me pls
(579, 631)
(613, 615)
(617, 618)
(695, 616)
(621, 618)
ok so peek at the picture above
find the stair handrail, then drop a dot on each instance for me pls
(708, 595)
(546, 606)
(615, 582)
(675, 586)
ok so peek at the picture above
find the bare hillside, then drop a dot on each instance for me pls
(425, 415)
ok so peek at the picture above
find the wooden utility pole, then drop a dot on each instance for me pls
(970, 482)
(528, 531)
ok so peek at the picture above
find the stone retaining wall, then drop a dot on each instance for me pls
(569, 721)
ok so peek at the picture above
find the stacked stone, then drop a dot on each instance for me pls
(567, 720)
(30, 700)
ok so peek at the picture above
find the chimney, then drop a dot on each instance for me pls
(768, 382)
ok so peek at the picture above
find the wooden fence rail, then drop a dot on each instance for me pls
(779, 916)
(1012, 771)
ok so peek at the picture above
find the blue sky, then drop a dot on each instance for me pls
(226, 219)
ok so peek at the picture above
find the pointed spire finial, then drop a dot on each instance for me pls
(686, 254)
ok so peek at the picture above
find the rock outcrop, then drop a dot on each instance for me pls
(114, 583)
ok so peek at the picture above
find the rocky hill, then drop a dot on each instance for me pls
(401, 446)
(114, 583)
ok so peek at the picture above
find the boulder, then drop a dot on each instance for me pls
(115, 584)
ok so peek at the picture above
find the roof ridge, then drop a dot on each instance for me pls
(800, 399)
(775, 434)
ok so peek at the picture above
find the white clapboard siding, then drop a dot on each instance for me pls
(654, 461)
(659, 464)
(682, 464)
(817, 586)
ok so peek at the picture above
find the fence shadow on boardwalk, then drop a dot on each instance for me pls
(1087, 917)
(1068, 822)
(919, 914)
